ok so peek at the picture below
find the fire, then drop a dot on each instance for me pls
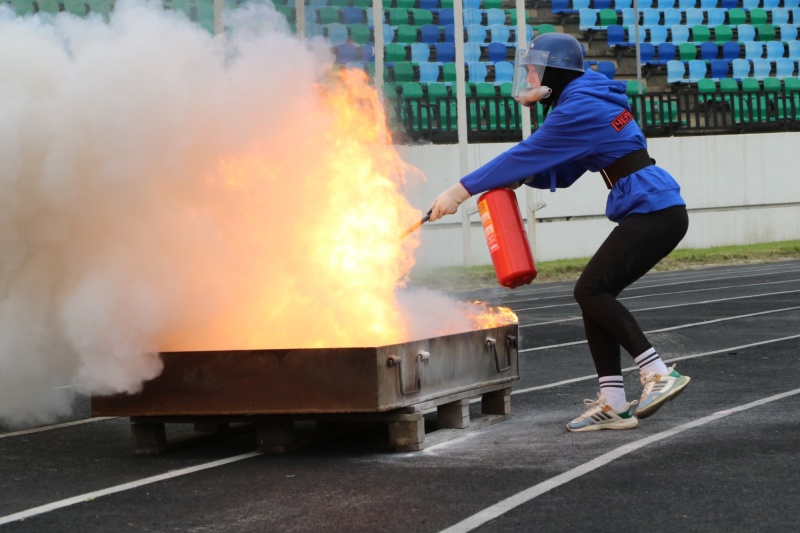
(311, 238)
(484, 316)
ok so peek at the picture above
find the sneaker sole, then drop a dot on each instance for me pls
(628, 423)
(651, 409)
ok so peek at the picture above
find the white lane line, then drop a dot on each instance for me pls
(22, 515)
(655, 294)
(672, 328)
(495, 511)
(670, 360)
(673, 306)
(55, 426)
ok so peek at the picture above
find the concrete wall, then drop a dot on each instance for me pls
(740, 189)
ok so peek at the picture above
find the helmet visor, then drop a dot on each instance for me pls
(529, 66)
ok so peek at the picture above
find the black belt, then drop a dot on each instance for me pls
(625, 166)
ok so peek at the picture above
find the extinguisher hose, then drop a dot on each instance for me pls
(416, 225)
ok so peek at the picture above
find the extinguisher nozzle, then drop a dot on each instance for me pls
(416, 225)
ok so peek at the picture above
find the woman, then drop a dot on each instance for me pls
(589, 126)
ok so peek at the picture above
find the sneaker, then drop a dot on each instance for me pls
(659, 389)
(600, 415)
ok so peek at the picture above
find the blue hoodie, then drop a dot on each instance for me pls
(587, 130)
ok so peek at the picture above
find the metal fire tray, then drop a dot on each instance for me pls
(394, 379)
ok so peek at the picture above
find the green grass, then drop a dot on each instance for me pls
(478, 277)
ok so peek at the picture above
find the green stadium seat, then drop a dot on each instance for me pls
(766, 32)
(758, 16)
(76, 7)
(328, 15)
(102, 7)
(723, 34)
(687, 51)
(403, 72)
(449, 72)
(395, 52)
(407, 34)
(398, 16)
(700, 33)
(22, 7)
(445, 108)
(359, 33)
(420, 17)
(736, 16)
(47, 6)
(416, 116)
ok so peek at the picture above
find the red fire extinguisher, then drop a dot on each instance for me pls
(505, 235)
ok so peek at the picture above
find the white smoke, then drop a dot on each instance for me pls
(109, 136)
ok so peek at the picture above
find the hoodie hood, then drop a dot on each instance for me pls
(595, 85)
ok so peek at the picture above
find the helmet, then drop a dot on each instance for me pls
(563, 51)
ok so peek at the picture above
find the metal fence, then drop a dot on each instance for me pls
(432, 118)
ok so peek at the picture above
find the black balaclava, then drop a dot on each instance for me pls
(556, 79)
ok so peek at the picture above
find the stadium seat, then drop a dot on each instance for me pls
(443, 106)
(346, 52)
(661, 5)
(446, 16)
(698, 69)
(757, 16)
(745, 32)
(420, 52)
(495, 16)
(22, 7)
(450, 33)
(608, 68)
(723, 33)
(780, 15)
(737, 16)
(476, 33)
(794, 49)
(429, 71)
(352, 15)
(328, 15)
(477, 72)
(784, 67)
(700, 33)
(680, 34)
(709, 51)
(753, 49)
(672, 17)
(651, 16)
(396, 16)
(761, 68)
(420, 17)
(687, 51)
(658, 34)
(686, 4)
(472, 52)
(497, 52)
(666, 52)
(694, 16)
(406, 33)
(616, 35)
(647, 53)
(676, 71)
(788, 32)
(719, 68)
(396, 52)
(359, 33)
(336, 32)
(403, 72)
(76, 7)
(500, 33)
(472, 16)
(715, 16)
(503, 72)
(775, 49)
(415, 114)
(766, 32)
(429, 33)
(445, 52)
(741, 68)
(731, 50)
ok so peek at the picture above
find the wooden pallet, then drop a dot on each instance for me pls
(283, 433)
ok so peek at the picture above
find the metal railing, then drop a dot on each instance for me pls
(666, 114)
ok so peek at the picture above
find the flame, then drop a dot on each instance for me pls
(484, 316)
(312, 251)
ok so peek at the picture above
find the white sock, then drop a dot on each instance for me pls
(650, 361)
(614, 391)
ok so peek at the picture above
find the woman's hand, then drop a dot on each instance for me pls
(447, 203)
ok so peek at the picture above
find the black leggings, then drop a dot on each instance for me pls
(629, 252)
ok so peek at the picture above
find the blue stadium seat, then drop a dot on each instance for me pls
(794, 49)
(698, 70)
(561, 6)
(495, 16)
(784, 67)
(658, 34)
(745, 32)
(429, 71)
(472, 16)
(686, 4)
(775, 49)
(628, 16)
(672, 16)
(450, 33)
(446, 16)
(346, 52)
(708, 4)
(616, 35)
(709, 51)
(780, 15)
(602, 4)
(729, 4)
(352, 15)
(676, 71)
(750, 4)
(608, 68)
(731, 50)
(694, 16)
(680, 34)
(790, 4)
(661, 5)
(719, 68)
(503, 72)
(420, 52)
(788, 32)
(716, 16)
(429, 33)
(472, 4)
(430, 5)
(496, 52)
(770, 4)
(477, 72)
(753, 49)
(651, 16)
(445, 52)
(647, 53)
(476, 33)
(666, 52)
(741, 68)
(761, 68)
(472, 52)
(336, 32)
(500, 33)
(620, 5)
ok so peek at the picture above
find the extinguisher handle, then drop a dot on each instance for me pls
(423, 220)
